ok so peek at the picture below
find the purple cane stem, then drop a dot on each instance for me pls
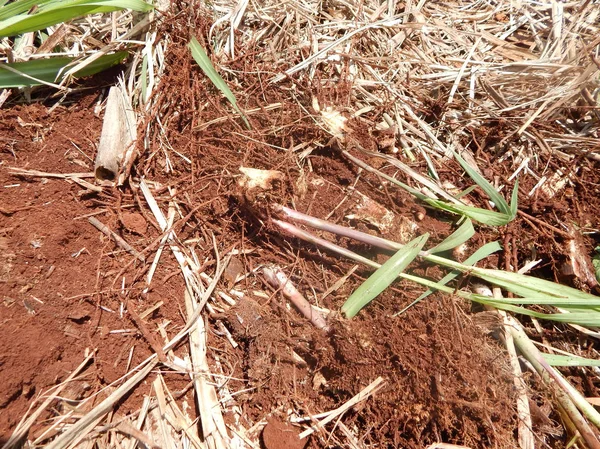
(340, 230)
(279, 280)
(294, 231)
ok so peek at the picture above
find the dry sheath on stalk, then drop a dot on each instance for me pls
(119, 131)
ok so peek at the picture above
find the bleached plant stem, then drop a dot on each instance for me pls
(163, 241)
(343, 231)
(279, 280)
(568, 398)
(185, 263)
(525, 425)
(307, 236)
(213, 426)
(26, 423)
(369, 390)
(324, 225)
(81, 428)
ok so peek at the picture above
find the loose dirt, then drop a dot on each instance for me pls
(67, 289)
(442, 383)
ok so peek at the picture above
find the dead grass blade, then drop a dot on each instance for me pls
(26, 422)
(74, 434)
(213, 425)
(327, 417)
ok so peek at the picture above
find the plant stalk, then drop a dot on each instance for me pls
(566, 395)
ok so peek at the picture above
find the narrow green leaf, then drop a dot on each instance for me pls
(487, 217)
(430, 166)
(481, 253)
(484, 216)
(18, 7)
(596, 263)
(51, 70)
(520, 284)
(572, 398)
(569, 360)
(528, 286)
(383, 277)
(489, 189)
(570, 304)
(458, 237)
(514, 200)
(589, 319)
(483, 183)
(465, 192)
(209, 70)
(51, 13)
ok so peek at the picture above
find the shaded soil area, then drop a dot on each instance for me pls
(66, 288)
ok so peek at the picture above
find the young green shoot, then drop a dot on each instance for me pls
(505, 214)
(574, 306)
(483, 252)
(18, 18)
(569, 360)
(464, 232)
(510, 211)
(383, 277)
(209, 70)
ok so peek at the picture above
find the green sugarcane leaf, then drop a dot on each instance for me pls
(481, 253)
(514, 200)
(383, 277)
(430, 166)
(209, 70)
(18, 7)
(520, 284)
(53, 12)
(525, 286)
(569, 360)
(487, 217)
(465, 192)
(587, 319)
(25, 23)
(489, 189)
(457, 238)
(570, 304)
(484, 216)
(51, 70)
(596, 263)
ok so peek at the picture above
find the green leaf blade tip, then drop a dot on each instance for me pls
(383, 277)
(209, 70)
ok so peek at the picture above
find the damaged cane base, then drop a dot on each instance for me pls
(119, 132)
